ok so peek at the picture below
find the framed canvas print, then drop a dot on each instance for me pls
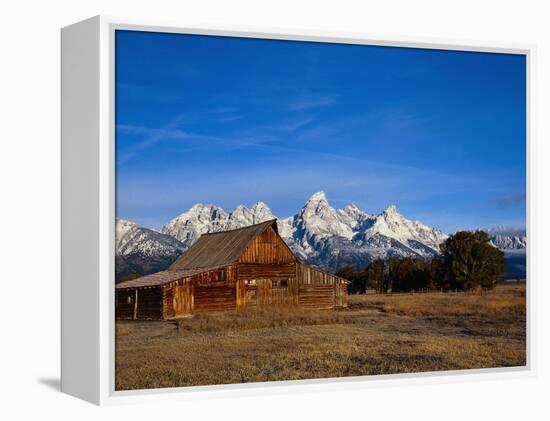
(245, 210)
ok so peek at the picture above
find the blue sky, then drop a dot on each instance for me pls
(223, 120)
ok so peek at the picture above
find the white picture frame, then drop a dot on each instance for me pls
(88, 213)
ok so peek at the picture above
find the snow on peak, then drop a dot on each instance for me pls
(413, 234)
(352, 207)
(260, 208)
(318, 218)
(352, 215)
(123, 224)
(200, 219)
(243, 216)
(318, 197)
(130, 239)
(392, 211)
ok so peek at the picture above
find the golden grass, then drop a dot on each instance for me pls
(504, 303)
(378, 334)
(257, 319)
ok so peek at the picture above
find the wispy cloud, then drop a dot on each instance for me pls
(151, 136)
(292, 126)
(312, 102)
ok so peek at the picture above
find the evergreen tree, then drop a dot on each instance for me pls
(375, 274)
(470, 261)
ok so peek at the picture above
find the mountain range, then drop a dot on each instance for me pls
(318, 234)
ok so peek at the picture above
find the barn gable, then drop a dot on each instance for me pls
(255, 244)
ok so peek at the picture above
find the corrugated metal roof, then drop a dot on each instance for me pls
(220, 248)
(161, 278)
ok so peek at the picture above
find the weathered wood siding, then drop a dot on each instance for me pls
(214, 298)
(267, 248)
(180, 296)
(258, 271)
(268, 292)
(309, 276)
(316, 296)
(341, 295)
(178, 300)
(266, 273)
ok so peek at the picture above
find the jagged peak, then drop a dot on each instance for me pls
(260, 205)
(352, 207)
(391, 210)
(255, 208)
(318, 197)
(120, 221)
(200, 206)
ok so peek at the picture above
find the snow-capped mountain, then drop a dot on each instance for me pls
(513, 242)
(508, 238)
(506, 242)
(141, 250)
(414, 234)
(318, 234)
(198, 220)
(201, 219)
(133, 239)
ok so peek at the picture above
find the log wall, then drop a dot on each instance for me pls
(316, 296)
(259, 271)
(267, 248)
(178, 300)
(309, 276)
(214, 298)
(341, 295)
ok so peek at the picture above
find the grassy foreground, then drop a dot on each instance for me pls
(377, 334)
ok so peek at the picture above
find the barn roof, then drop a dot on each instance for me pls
(220, 248)
(161, 278)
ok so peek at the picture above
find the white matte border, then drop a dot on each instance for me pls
(108, 26)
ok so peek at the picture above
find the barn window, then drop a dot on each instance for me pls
(129, 299)
(283, 283)
(223, 275)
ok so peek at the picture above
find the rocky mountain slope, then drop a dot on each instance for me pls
(141, 250)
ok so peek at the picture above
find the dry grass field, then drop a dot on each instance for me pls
(376, 334)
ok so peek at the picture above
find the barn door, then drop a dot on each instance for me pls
(181, 299)
(177, 301)
(251, 295)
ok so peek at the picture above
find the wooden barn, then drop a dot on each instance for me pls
(250, 267)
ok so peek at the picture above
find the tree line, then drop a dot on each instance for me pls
(467, 261)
